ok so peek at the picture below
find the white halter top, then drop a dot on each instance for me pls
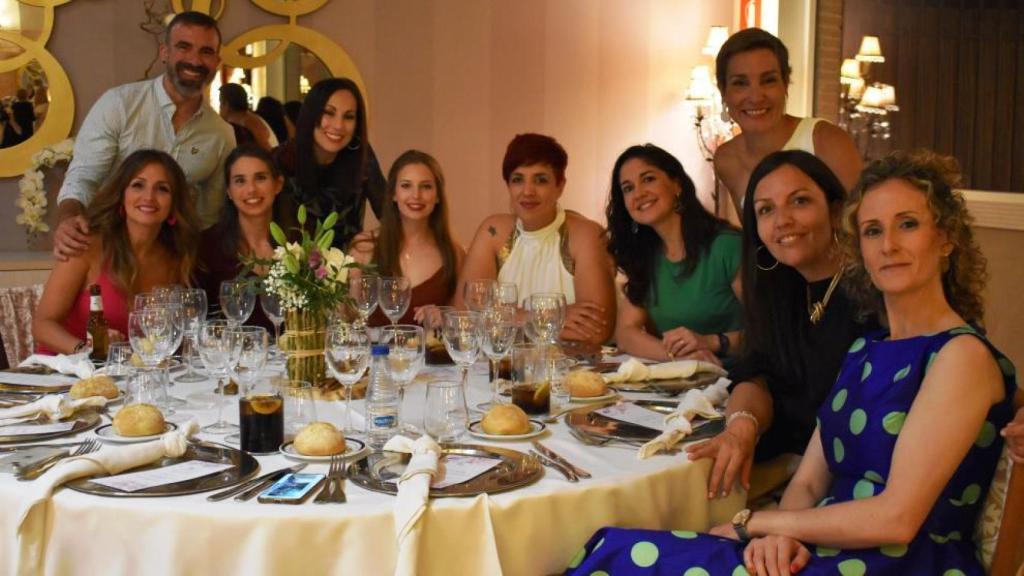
(539, 260)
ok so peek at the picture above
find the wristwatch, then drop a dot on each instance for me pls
(739, 524)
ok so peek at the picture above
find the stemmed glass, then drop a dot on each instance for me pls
(176, 316)
(271, 305)
(216, 346)
(545, 315)
(150, 333)
(499, 333)
(237, 300)
(193, 307)
(506, 294)
(407, 348)
(478, 295)
(347, 351)
(248, 356)
(364, 291)
(395, 292)
(462, 339)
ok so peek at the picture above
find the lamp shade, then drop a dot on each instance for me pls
(701, 88)
(870, 50)
(716, 37)
(850, 71)
(856, 89)
(873, 101)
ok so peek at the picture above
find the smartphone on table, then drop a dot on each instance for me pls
(291, 489)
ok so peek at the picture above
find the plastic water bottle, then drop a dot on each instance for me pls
(381, 400)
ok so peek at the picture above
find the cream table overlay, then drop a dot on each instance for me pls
(529, 531)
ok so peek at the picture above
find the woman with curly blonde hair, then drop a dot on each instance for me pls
(897, 469)
(146, 235)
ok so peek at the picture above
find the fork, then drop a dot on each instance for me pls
(333, 491)
(592, 440)
(90, 445)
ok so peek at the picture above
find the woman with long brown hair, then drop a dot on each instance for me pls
(143, 234)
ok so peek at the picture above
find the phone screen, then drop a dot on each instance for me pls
(292, 487)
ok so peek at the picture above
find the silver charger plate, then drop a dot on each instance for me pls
(85, 420)
(672, 385)
(588, 421)
(244, 466)
(380, 471)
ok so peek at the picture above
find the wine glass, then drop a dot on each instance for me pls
(193, 307)
(347, 351)
(499, 332)
(237, 299)
(506, 294)
(462, 338)
(271, 305)
(545, 315)
(176, 324)
(395, 292)
(216, 346)
(248, 356)
(364, 291)
(151, 333)
(478, 295)
(407, 349)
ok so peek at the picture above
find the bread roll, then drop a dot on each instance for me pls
(505, 420)
(585, 384)
(96, 386)
(139, 420)
(320, 439)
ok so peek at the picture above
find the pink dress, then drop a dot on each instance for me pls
(115, 311)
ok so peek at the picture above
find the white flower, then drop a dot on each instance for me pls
(338, 260)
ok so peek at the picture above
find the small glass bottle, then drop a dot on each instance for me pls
(96, 329)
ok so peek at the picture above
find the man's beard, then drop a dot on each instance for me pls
(188, 87)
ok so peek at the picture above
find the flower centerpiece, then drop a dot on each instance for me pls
(31, 192)
(310, 278)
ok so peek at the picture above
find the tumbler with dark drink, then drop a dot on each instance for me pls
(532, 398)
(261, 418)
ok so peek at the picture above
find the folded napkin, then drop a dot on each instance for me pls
(54, 407)
(413, 491)
(108, 460)
(677, 424)
(71, 364)
(633, 370)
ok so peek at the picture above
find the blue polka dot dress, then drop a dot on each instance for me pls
(859, 422)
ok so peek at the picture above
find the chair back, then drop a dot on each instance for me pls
(17, 304)
(1008, 558)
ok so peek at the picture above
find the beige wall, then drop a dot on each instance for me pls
(459, 78)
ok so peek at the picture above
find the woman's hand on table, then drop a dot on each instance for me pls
(584, 321)
(682, 342)
(733, 453)
(775, 556)
(428, 316)
(1014, 435)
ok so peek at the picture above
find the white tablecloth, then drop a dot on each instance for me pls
(530, 531)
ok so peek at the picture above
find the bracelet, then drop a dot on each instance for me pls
(78, 347)
(723, 344)
(744, 414)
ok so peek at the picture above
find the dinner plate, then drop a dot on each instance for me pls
(244, 466)
(84, 420)
(380, 471)
(475, 428)
(589, 399)
(106, 433)
(353, 448)
(668, 386)
(588, 421)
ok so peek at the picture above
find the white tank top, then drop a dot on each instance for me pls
(539, 260)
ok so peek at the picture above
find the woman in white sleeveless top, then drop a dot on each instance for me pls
(543, 248)
(753, 72)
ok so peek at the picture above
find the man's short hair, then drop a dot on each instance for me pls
(192, 18)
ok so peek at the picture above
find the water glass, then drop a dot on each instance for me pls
(558, 367)
(545, 315)
(237, 300)
(299, 406)
(194, 307)
(445, 415)
(395, 293)
(216, 348)
(146, 386)
(499, 333)
(149, 332)
(506, 294)
(249, 355)
(271, 305)
(347, 351)
(406, 352)
(119, 359)
(478, 295)
(364, 291)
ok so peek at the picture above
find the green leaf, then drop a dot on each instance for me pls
(291, 263)
(325, 241)
(302, 214)
(278, 234)
(331, 220)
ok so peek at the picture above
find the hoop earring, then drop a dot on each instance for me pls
(354, 144)
(757, 260)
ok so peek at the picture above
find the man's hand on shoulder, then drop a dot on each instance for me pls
(72, 235)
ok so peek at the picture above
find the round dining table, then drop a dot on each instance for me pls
(533, 530)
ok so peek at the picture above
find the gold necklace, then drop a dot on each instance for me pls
(817, 309)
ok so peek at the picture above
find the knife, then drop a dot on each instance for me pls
(554, 456)
(260, 486)
(567, 472)
(245, 485)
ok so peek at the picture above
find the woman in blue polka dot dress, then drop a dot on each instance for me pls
(906, 445)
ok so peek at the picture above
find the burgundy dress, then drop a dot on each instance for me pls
(433, 290)
(217, 265)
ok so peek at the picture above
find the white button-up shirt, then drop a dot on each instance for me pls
(138, 115)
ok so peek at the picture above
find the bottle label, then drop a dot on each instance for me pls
(95, 303)
(384, 421)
